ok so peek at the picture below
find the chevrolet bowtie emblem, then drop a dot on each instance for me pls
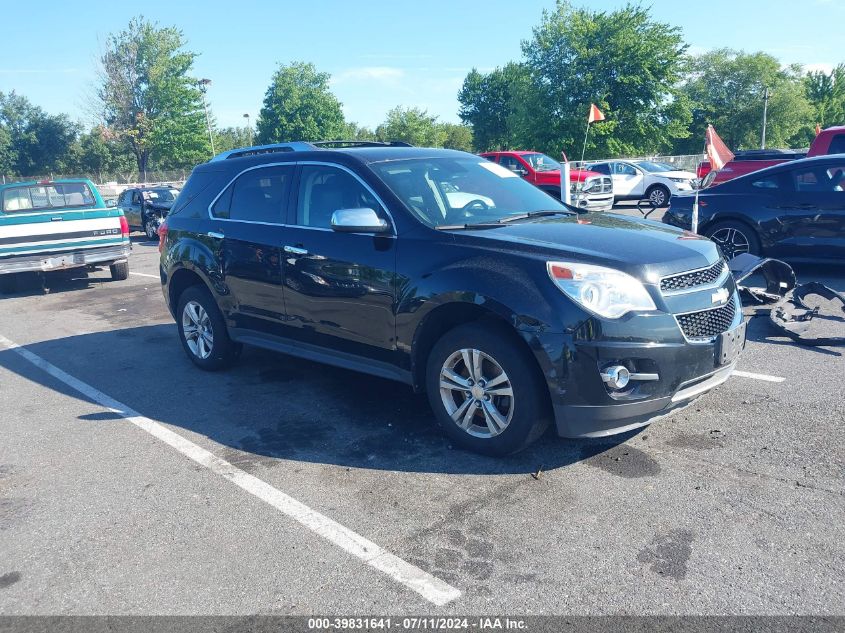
(720, 296)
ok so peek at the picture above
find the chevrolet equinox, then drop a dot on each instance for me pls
(449, 273)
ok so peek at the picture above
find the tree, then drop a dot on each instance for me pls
(457, 136)
(148, 97)
(624, 62)
(726, 89)
(411, 125)
(99, 153)
(36, 143)
(232, 137)
(355, 132)
(490, 103)
(299, 105)
(826, 93)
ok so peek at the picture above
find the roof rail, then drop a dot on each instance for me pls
(295, 146)
(340, 144)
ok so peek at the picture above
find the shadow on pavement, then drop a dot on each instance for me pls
(270, 406)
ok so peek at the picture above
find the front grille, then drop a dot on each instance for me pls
(606, 184)
(707, 323)
(694, 278)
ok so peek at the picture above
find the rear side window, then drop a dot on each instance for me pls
(821, 178)
(47, 196)
(837, 145)
(258, 195)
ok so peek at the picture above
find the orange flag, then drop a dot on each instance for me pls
(717, 152)
(818, 129)
(595, 114)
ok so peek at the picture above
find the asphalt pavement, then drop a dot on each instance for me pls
(133, 483)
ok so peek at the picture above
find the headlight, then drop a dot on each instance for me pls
(593, 186)
(603, 291)
(687, 180)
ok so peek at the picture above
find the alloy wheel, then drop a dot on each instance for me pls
(197, 329)
(731, 242)
(476, 393)
(658, 197)
(150, 229)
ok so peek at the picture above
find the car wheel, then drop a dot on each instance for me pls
(734, 238)
(119, 271)
(203, 332)
(151, 228)
(486, 391)
(658, 195)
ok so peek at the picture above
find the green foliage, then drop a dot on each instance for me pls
(32, 142)
(299, 105)
(492, 103)
(231, 138)
(826, 93)
(355, 132)
(457, 136)
(99, 154)
(726, 89)
(624, 62)
(148, 97)
(412, 125)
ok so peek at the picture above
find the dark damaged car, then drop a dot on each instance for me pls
(451, 274)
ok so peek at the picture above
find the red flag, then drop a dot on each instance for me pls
(717, 152)
(595, 114)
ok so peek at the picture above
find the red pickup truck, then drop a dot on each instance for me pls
(828, 141)
(594, 190)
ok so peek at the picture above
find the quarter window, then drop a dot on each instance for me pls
(258, 195)
(324, 190)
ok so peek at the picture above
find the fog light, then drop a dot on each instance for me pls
(616, 376)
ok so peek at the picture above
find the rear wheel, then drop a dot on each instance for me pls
(203, 332)
(486, 390)
(734, 238)
(119, 271)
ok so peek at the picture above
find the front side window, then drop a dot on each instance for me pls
(541, 162)
(624, 169)
(258, 195)
(323, 190)
(447, 191)
(47, 196)
(511, 162)
(601, 168)
(655, 167)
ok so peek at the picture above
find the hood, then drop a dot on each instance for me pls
(642, 248)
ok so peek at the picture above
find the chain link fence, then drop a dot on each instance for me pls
(110, 185)
(685, 162)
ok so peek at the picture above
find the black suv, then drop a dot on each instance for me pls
(449, 273)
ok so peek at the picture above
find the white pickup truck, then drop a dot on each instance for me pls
(54, 225)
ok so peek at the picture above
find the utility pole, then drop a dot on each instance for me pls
(248, 127)
(765, 112)
(204, 83)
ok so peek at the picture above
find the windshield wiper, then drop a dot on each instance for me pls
(534, 214)
(467, 227)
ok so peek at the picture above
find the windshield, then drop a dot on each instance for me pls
(541, 162)
(457, 191)
(655, 167)
(47, 196)
(161, 195)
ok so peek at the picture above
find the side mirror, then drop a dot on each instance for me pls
(358, 221)
(111, 202)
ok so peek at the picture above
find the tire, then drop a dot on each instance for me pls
(523, 415)
(119, 271)
(659, 195)
(150, 229)
(213, 352)
(734, 238)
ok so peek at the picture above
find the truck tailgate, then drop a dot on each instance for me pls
(37, 233)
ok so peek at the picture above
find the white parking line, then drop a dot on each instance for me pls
(766, 377)
(429, 587)
(144, 275)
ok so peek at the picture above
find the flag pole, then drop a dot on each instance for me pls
(580, 186)
(695, 202)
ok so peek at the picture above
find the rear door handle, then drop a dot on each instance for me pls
(215, 235)
(295, 250)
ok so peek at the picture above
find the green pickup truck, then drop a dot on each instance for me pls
(60, 224)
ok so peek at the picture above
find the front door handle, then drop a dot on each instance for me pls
(215, 235)
(295, 250)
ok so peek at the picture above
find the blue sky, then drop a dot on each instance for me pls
(380, 53)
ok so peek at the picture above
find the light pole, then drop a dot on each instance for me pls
(248, 127)
(204, 83)
(765, 113)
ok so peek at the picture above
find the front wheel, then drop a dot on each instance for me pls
(202, 331)
(659, 196)
(151, 228)
(734, 238)
(119, 271)
(486, 391)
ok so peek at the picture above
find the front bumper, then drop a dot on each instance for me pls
(600, 202)
(585, 406)
(45, 262)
